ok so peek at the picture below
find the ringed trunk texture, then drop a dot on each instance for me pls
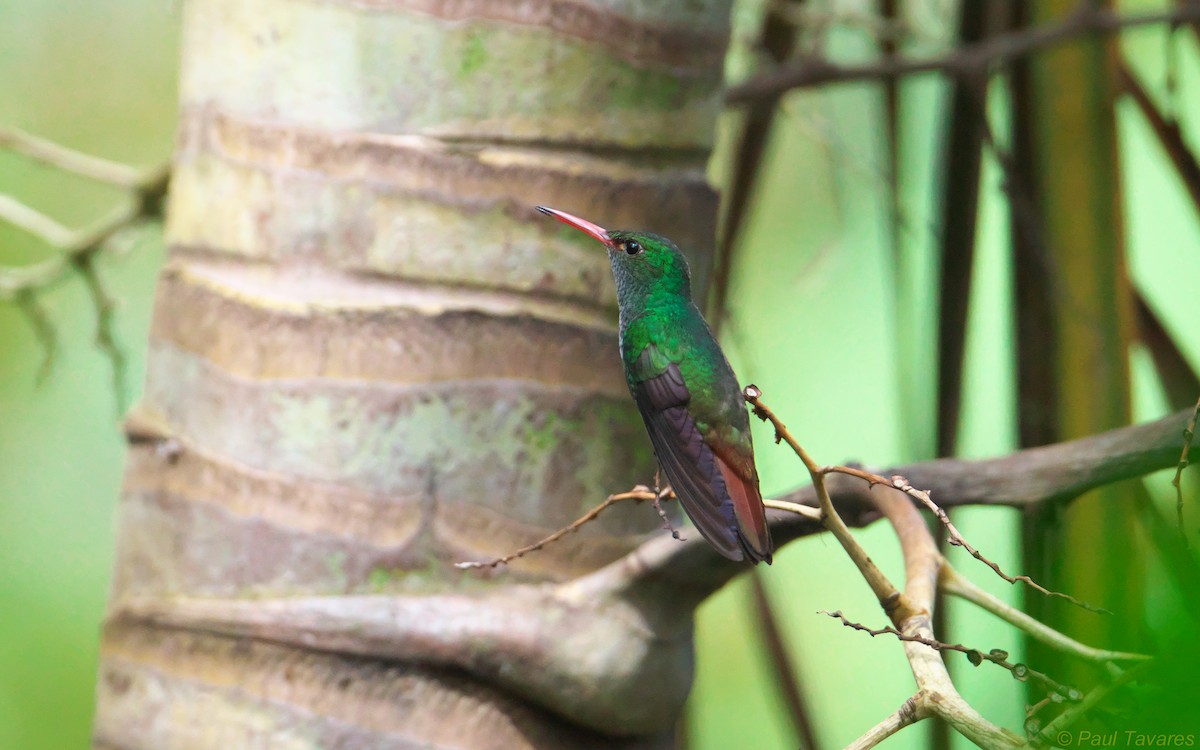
(371, 358)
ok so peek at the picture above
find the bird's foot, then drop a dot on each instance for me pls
(661, 494)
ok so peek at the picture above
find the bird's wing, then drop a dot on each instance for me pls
(741, 480)
(697, 474)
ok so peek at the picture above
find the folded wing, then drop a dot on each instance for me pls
(717, 493)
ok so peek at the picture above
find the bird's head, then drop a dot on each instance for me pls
(644, 265)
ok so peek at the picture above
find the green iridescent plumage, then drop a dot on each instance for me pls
(685, 390)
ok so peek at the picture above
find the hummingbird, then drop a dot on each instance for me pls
(685, 390)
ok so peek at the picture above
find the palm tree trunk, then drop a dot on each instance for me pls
(370, 358)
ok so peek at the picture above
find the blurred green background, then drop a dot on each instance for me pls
(100, 77)
(813, 320)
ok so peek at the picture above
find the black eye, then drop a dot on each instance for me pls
(632, 247)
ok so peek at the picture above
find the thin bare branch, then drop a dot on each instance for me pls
(1024, 479)
(76, 162)
(43, 330)
(996, 656)
(660, 493)
(937, 695)
(909, 610)
(1168, 132)
(639, 493)
(74, 244)
(34, 222)
(973, 60)
(805, 511)
(77, 247)
(956, 584)
(957, 540)
(104, 307)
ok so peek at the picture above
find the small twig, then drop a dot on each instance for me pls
(999, 657)
(84, 240)
(77, 241)
(34, 222)
(43, 330)
(956, 584)
(70, 160)
(76, 245)
(1189, 434)
(1094, 696)
(1032, 711)
(640, 492)
(807, 511)
(147, 186)
(956, 539)
(105, 338)
(1166, 129)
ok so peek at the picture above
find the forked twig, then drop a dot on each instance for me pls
(77, 248)
(926, 569)
(894, 602)
(999, 657)
(956, 539)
